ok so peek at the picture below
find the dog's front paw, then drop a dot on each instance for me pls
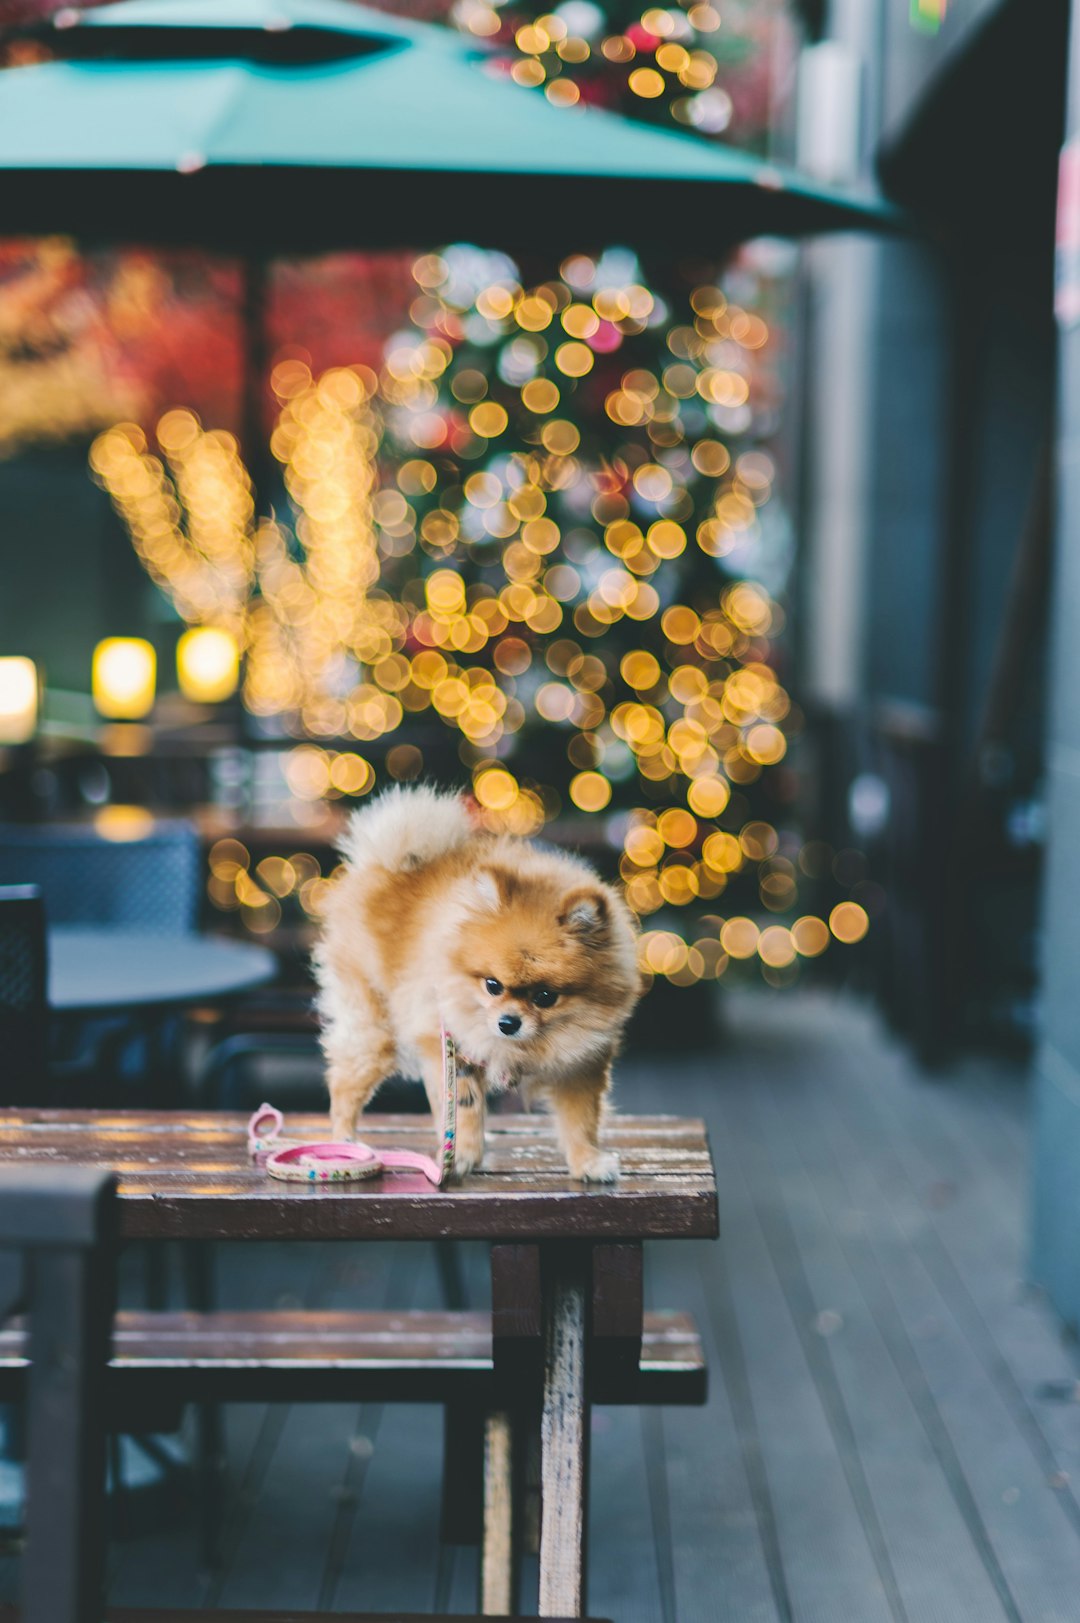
(469, 1147)
(342, 1129)
(595, 1166)
(466, 1161)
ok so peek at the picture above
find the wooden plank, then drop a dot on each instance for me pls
(11, 1614)
(624, 1580)
(462, 1519)
(632, 1210)
(280, 1558)
(391, 1558)
(250, 1276)
(303, 1357)
(516, 1293)
(635, 1211)
(411, 1276)
(498, 1555)
(166, 1561)
(726, 1563)
(722, 1514)
(564, 1437)
(971, 1237)
(617, 1292)
(617, 1313)
(171, 1138)
(542, 1169)
(926, 1556)
(458, 1588)
(323, 1337)
(223, 1124)
(1012, 1511)
(290, 1540)
(818, 1067)
(828, 1565)
(652, 1436)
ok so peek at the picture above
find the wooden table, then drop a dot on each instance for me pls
(566, 1258)
(96, 970)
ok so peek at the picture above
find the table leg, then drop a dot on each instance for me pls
(564, 1436)
(497, 1550)
(512, 1423)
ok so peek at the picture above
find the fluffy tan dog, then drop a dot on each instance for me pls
(524, 955)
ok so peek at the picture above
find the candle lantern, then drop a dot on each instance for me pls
(18, 699)
(123, 678)
(207, 664)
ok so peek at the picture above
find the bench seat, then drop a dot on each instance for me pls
(335, 1357)
(123, 1614)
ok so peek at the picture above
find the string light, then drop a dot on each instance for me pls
(524, 519)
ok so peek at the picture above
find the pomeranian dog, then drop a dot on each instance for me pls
(523, 955)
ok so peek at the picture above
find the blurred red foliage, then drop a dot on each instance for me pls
(89, 338)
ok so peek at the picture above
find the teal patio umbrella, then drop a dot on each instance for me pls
(309, 125)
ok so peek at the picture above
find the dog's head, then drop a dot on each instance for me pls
(542, 972)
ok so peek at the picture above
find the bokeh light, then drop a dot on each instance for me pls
(540, 548)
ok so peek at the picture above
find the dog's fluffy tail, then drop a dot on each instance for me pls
(405, 828)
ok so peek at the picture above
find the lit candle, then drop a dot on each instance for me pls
(18, 699)
(123, 678)
(207, 664)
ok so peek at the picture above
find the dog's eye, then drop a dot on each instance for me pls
(493, 986)
(545, 997)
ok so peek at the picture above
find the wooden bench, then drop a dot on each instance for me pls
(161, 1361)
(123, 1614)
(343, 1357)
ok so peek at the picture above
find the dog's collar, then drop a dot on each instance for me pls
(479, 1070)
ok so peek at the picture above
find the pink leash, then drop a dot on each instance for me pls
(345, 1161)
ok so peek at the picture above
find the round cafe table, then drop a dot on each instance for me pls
(96, 970)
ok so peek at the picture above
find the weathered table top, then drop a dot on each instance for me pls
(96, 969)
(190, 1177)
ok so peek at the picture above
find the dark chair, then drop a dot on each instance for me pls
(24, 1034)
(24, 1024)
(149, 882)
(57, 1226)
(80, 877)
(29, 1075)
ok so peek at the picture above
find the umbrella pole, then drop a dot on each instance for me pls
(256, 363)
(254, 439)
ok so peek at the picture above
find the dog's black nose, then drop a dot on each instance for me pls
(509, 1024)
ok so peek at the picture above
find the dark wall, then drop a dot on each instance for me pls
(68, 574)
(957, 612)
(1056, 1179)
(911, 372)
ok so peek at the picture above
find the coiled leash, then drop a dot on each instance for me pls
(348, 1162)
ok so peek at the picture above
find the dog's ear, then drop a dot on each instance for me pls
(483, 891)
(490, 888)
(585, 913)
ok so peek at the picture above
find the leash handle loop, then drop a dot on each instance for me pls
(330, 1161)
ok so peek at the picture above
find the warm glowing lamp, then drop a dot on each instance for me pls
(18, 699)
(124, 673)
(207, 664)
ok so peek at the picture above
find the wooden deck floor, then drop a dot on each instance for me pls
(893, 1434)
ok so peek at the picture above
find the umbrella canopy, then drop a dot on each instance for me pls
(317, 124)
